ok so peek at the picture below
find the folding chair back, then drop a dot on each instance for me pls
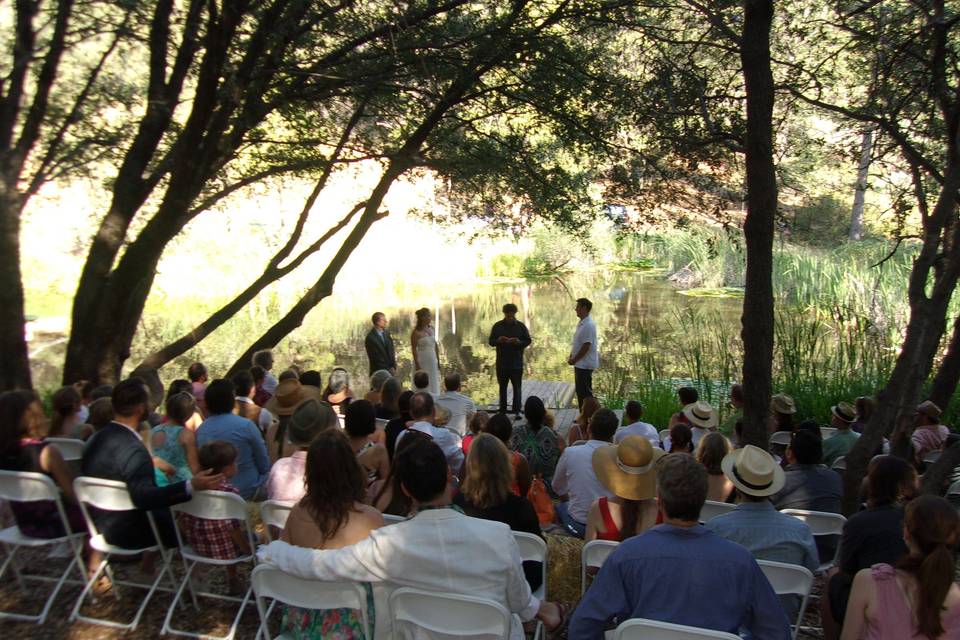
(214, 505)
(643, 629)
(664, 435)
(711, 509)
(391, 519)
(789, 579)
(534, 549)
(840, 464)
(821, 523)
(70, 448)
(26, 486)
(447, 615)
(781, 437)
(271, 582)
(274, 513)
(827, 432)
(594, 554)
(932, 456)
(106, 495)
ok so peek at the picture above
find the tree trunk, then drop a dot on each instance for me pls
(936, 478)
(945, 382)
(14, 361)
(758, 228)
(859, 194)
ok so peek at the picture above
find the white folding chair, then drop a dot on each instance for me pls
(711, 509)
(424, 614)
(112, 495)
(390, 519)
(211, 505)
(789, 579)
(594, 554)
(274, 513)
(23, 486)
(271, 582)
(827, 432)
(643, 629)
(534, 549)
(821, 523)
(781, 437)
(70, 448)
(840, 464)
(664, 435)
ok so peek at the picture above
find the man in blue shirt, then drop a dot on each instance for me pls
(253, 463)
(680, 572)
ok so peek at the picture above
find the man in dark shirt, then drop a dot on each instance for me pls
(510, 337)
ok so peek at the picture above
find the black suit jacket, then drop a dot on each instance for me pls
(382, 356)
(116, 453)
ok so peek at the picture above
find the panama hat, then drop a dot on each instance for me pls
(701, 414)
(628, 469)
(844, 411)
(929, 409)
(782, 403)
(753, 471)
(288, 394)
(309, 418)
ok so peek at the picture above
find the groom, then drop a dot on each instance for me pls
(379, 346)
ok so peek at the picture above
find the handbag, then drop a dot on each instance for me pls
(541, 501)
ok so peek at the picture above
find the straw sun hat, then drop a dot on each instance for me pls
(701, 414)
(288, 395)
(782, 403)
(627, 469)
(753, 471)
(845, 411)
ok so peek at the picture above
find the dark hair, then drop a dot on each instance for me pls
(86, 387)
(633, 410)
(376, 316)
(681, 438)
(736, 392)
(101, 413)
(534, 412)
(807, 446)
(103, 391)
(688, 395)
(451, 382)
(288, 374)
(242, 383)
(196, 371)
(888, 480)
(500, 426)
(334, 482)
(216, 455)
(179, 386)
(864, 406)
(403, 402)
(219, 396)
(400, 503)
(390, 394)
(603, 425)
(128, 395)
(932, 523)
(261, 358)
(711, 451)
(586, 304)
(509, 308)
(258, 374)
(65, 403)
(681, 486)
(13, 406)
(421, 380)
(180, 408)
(422, 470)
(360, 419)
(421, 405)
(312, 377)
(811, 426)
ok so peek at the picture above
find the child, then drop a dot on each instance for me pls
(198, 381)
(219, 539)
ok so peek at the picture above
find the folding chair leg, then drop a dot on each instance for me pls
(185, 584)
(87, 588)
(11, 562)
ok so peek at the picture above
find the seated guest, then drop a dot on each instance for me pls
(261, 395)
(864, 406)
(245, 388)
(578, 430)
(418, 552)
(501, 427)
(311, 377)
(477, 426)
(116, 452)
(736, 403)
(680, 572)
(929, 434)
(686, 396)
(842, 441)
(198, 384)
(253, 463)
(218, 539)
(388, 405)
(680, 439)
(377, 380)
(66, 422)
(399, 423)
(422, 411)
(360, 424)
(535, 441)
(21, 415)
(310, 418)
(389, 498)
(782, 410)
(330, 515)
(421, 381)
(575, 480)
(185, 386)
(486, 494)
(809, 485)
(632, 412)
(702, 419)
(627, 470)
(288, 394)
(711, 451)
(919, 597)
(101, 413)
(872, 536)
(461, 407)
(173, 443)
(264, 360)
(755, 524)
(338, 393)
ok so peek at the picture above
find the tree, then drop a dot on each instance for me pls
(860, 190)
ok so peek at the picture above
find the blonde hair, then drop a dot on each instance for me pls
(712, 448)
(489, 472)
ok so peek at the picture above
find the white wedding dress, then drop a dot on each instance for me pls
(427, 357)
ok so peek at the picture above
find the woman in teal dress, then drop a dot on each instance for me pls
(174, 446)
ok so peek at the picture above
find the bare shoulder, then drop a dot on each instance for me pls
(369, 515)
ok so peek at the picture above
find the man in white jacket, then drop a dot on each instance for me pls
(439, 549)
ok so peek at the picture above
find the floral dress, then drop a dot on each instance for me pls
(327, 624)
(541, 449)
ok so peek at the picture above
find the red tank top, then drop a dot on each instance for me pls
(612, 531)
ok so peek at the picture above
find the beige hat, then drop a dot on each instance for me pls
(288, 394)
(309, 418)
(753, 471)
(845, 411)
(929, 409)
(701, 414)
(782, 403)
(628, 469)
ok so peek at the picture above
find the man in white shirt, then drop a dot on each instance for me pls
(461, 407)
(575, 477)
(422, 410)
(427, 551)
(584, 356)
(632, 412)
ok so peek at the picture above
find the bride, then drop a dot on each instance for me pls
(426, 354)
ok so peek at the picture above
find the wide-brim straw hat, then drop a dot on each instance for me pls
(309, 418)
(701, 414)
(288, 394)
(845, 411)
(628, 469)
(782, 403)
(753, 471)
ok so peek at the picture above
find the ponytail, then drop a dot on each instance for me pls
(932, 523)
(630, 509)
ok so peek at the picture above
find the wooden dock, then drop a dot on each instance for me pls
(555, 394)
